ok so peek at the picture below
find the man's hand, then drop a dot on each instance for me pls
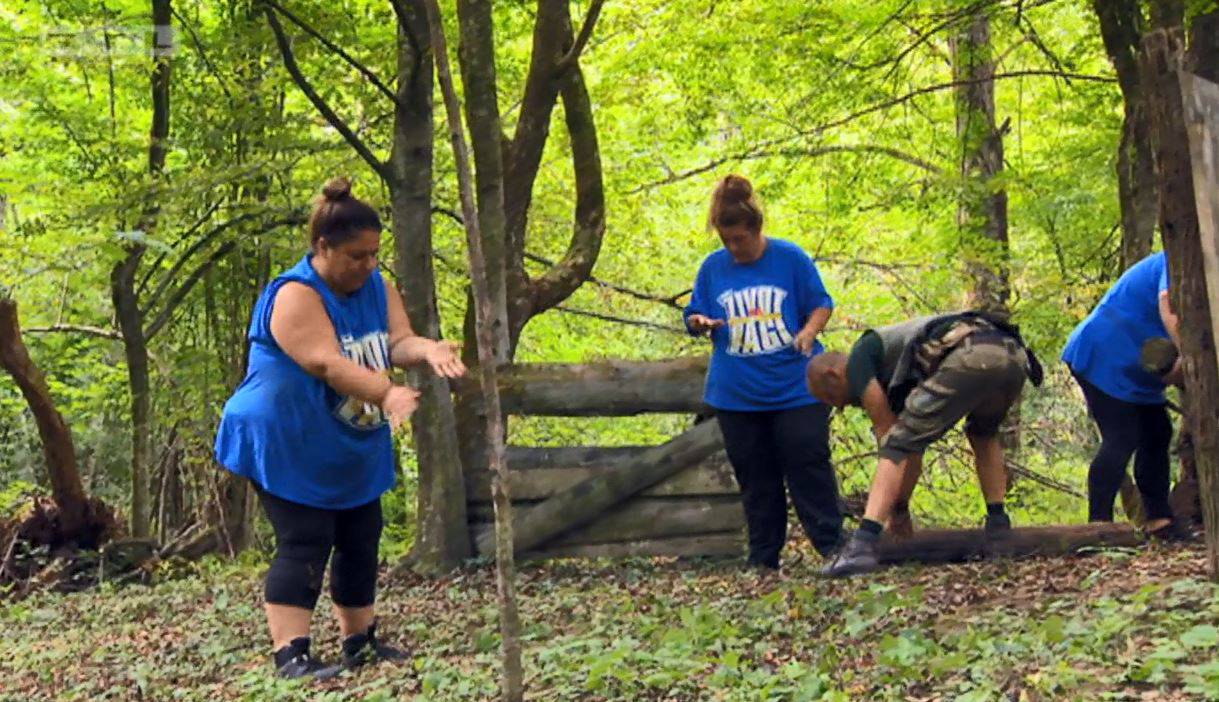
(805, 340)
(701, 324)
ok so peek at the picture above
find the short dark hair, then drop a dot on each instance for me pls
(338, 216)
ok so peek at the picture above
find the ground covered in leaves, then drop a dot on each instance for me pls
(1118, 625)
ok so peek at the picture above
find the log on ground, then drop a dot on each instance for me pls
(730, 544)
(955, 545)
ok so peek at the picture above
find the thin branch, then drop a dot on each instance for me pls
(621, 320)
(586, 31)
(670, 301)
(863, 112)
(336, 50)
(285, 50)
(161, 258)
(180, 294)
(76, 329)
(207, 64)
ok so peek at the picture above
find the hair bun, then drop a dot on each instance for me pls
(735, 188)
(337, 189)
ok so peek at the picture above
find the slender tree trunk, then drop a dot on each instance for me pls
(1121, 26)
(491, 336)
(123, 277)
(1179, 225)
(982, 211)
(443, 535)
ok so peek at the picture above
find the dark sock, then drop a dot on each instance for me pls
(869, 530)
(901, 507)
(994, 509)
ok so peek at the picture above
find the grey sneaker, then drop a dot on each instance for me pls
(856, 557)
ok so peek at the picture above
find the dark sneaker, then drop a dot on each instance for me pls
(362, 649)
(293, 661)
(997, 523)
(1171, 532)
(857, 556)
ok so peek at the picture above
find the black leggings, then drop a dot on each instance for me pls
(304, 539)
(767, 448)
(1126, 429)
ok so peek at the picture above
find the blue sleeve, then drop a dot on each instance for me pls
(1164, 276)
(698, 298)
(810, 290)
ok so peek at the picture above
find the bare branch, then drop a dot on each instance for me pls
(336, 50)
(180, 294)
(621, 320)
(285, 50)
(586, 31)
(764, 146)
(76, 329)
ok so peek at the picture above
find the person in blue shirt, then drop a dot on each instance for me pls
(763, 304)
(1127, 402)
(310, 425)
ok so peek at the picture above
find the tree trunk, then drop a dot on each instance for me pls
(57, 446)
(1122, 25)
(1179, 225)
(123, 277)
(982, 211)
(492, 337)
(443, 538)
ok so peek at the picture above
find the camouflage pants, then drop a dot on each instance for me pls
(980, 380)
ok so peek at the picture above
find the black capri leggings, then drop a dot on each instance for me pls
(304, 539)
(1127, 429)
(767, 449)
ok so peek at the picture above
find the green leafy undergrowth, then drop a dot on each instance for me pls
(1118, 625)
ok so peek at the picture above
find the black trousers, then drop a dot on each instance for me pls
(306, 536)
(769, 448)
(1126, 429)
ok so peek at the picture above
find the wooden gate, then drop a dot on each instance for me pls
(675, 499)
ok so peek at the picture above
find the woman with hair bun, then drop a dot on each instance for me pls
(763, 304)
(310, 427)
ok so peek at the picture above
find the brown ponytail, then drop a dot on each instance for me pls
(734, 203)
(338, 216)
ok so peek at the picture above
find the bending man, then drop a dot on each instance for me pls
(916, 380)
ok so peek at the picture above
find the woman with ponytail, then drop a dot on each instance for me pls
(310, 427)
(763, 304)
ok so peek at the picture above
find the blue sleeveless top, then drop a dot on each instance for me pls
(292, 433)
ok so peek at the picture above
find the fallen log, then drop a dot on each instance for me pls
(588, 499)
(730, 543)
(956, 545)
(607, 388)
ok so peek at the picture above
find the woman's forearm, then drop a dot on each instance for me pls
(410, 350)
(817, 320)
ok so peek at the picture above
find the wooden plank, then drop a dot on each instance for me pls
(606, 388)
(1201, 106)
(585, 501)
(954, 545)
(723, 544)
(640, 518)
(713, 476)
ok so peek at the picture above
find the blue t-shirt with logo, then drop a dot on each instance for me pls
(754, 365)
(1104, 349)
(289, 431)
